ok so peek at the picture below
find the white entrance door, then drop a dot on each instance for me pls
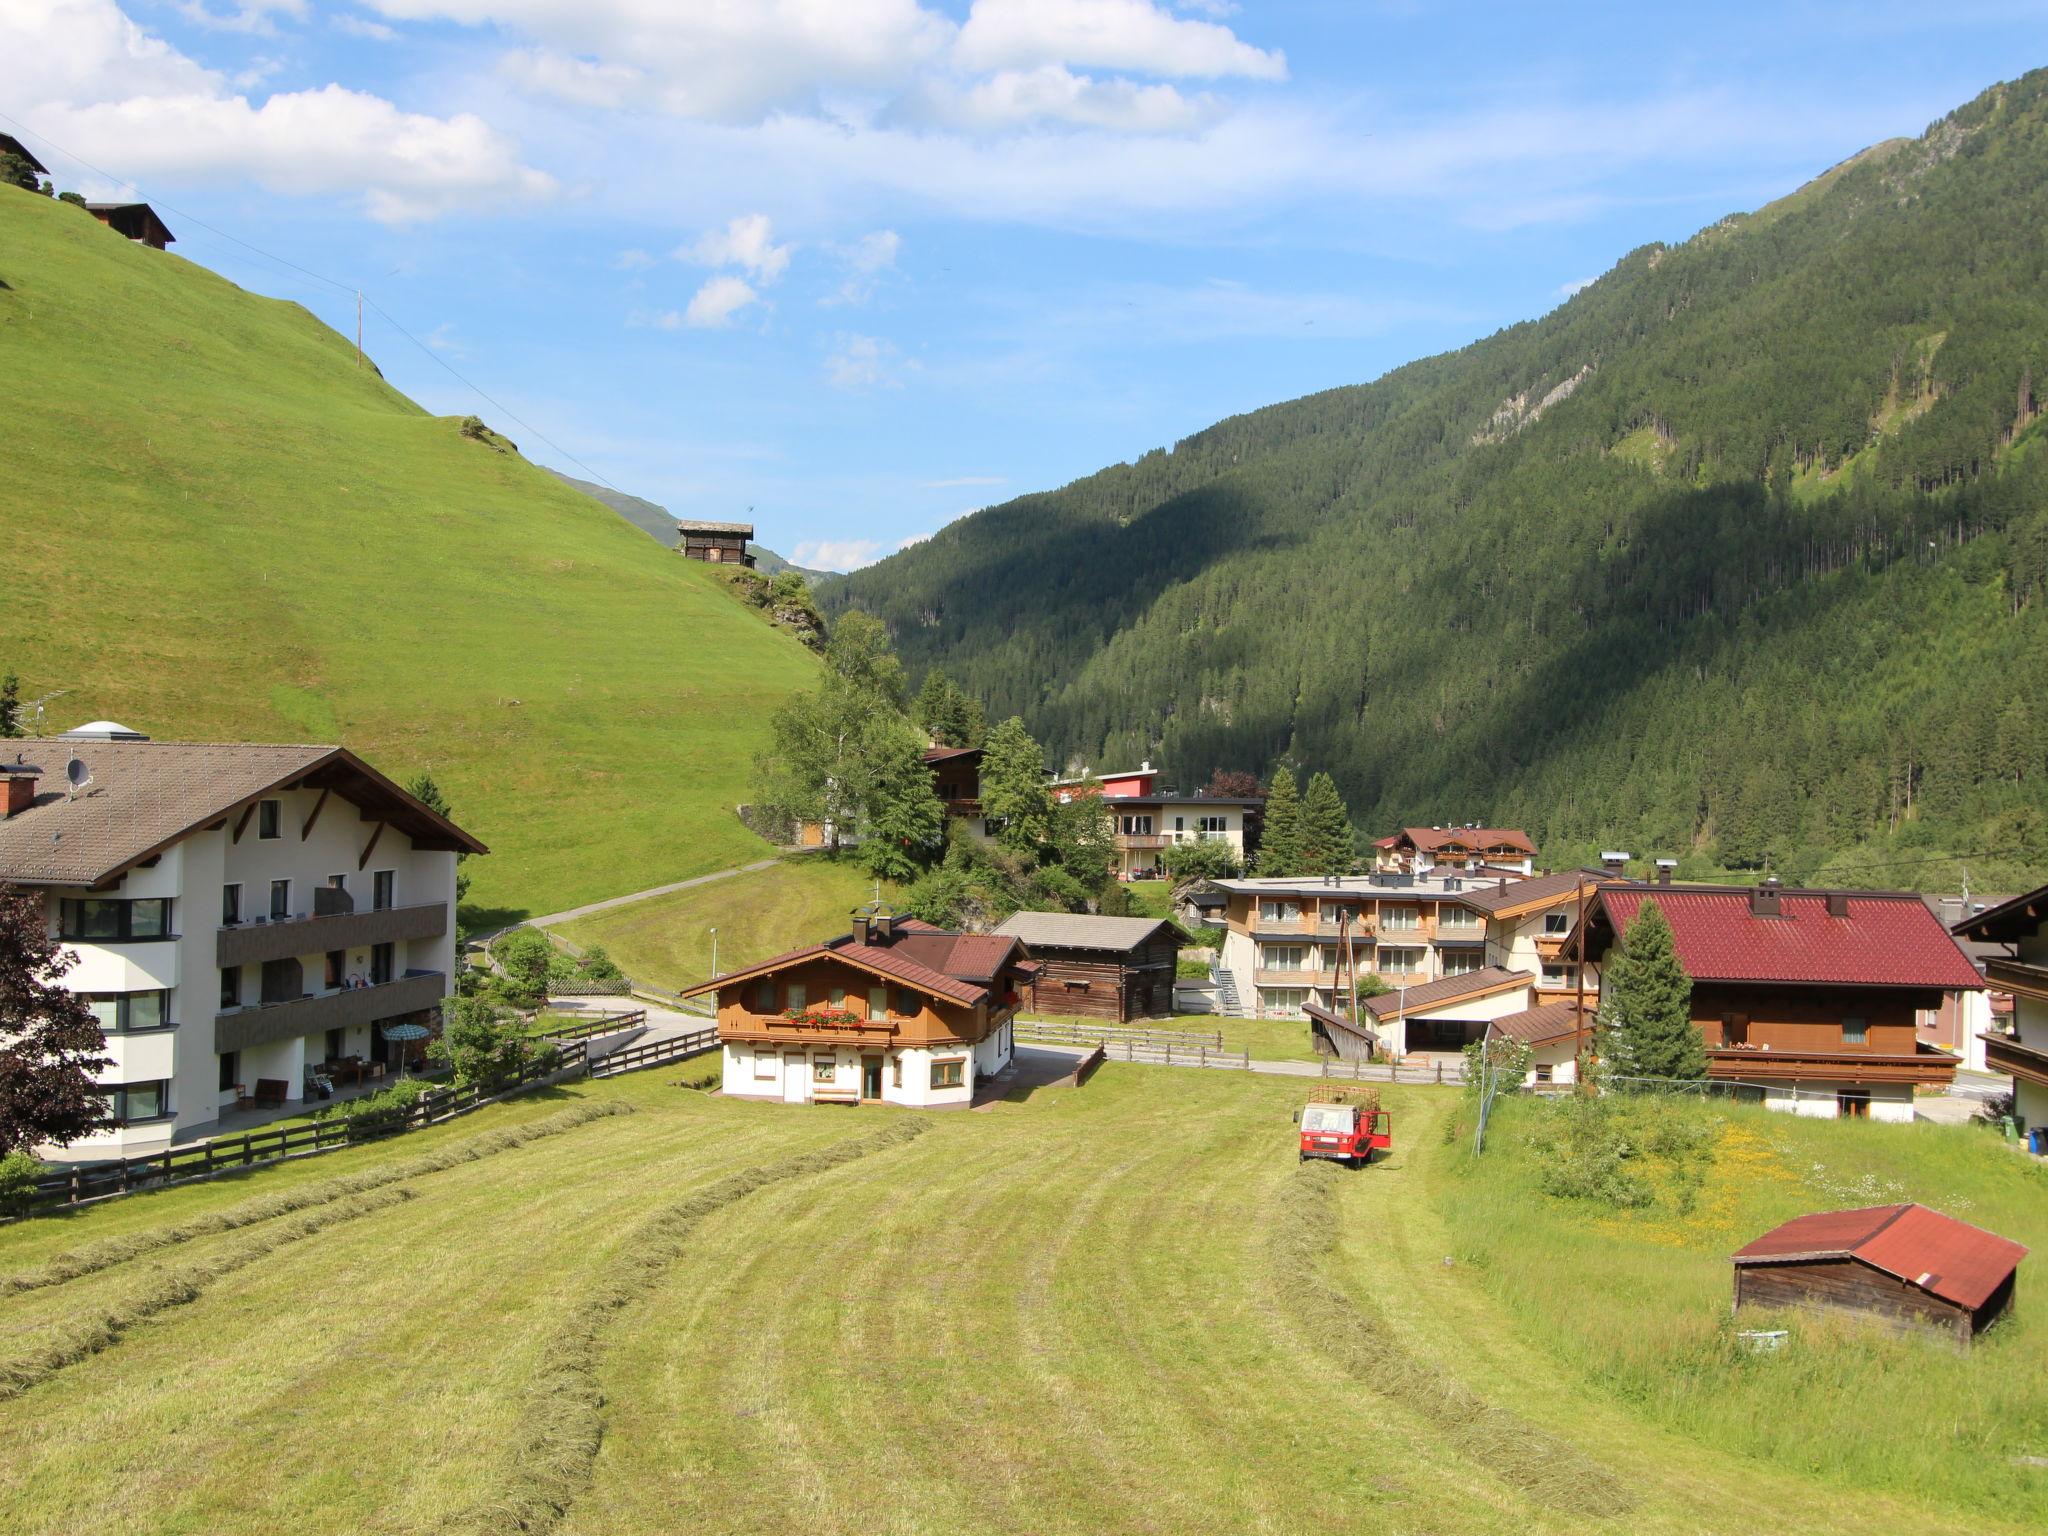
(796, 1079)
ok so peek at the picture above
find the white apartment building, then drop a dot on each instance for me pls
(2021, 925)
(240, 912)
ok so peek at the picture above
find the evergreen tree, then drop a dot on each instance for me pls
(1645, 1016)
(10, 705)
(947, 714)
(1326, 839)
(903, 827)
(2015, 752)
(1013, 792)
(1281, 846)
(423, 789)
(51, 1045)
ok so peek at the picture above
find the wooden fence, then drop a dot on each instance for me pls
(596, 1024)
(1084, 1032)
(205, 1159)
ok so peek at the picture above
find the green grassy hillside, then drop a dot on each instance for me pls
(218, 526)
(1124, 1308)
(1740, 554)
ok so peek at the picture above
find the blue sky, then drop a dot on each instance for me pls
(865, 265)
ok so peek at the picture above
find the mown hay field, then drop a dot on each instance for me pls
(1120, 1308)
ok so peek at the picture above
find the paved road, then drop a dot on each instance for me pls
(662, 1023)
(659, 890)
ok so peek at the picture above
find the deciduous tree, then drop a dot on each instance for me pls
(1013, 790)
(51, 1045)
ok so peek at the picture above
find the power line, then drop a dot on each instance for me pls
(335, 283)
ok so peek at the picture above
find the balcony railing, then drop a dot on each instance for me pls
(286, 938)
(2017, 976)
(1265, 977)
(344, 1008)
(1138, 840)
(2002, 1053)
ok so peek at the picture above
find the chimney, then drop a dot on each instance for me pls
(860, 925)
(1763, 901)
(1664, 868)
(1614, 861)
(21, 787)
(1838, 903)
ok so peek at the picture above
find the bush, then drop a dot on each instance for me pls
(18, 1175)
(379, 1113)
(486, 1048)
(1192, 968)
(596, 965)
(525, 957)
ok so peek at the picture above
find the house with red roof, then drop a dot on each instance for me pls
(1469, 849)
(1906, 1266)
(893, 1012)
(1808, 999)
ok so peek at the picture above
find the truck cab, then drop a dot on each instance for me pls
(1345, 1130)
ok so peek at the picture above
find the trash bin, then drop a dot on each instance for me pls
(2037, 1140)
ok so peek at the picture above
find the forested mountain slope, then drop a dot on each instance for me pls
(217, 525)
(1740, 552)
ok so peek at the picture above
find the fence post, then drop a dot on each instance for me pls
(1439, 1073)
(1247, 1058)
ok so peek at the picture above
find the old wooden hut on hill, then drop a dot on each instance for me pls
(1904, 1265)
(1098, 967)
(717, 543)
(134, 221)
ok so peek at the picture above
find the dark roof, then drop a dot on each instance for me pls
(947, 754)
(2015, 919)
(1330, 1020)
(1529, 891)
(1447, 989)
(1540, 1026)
(687, 525)
(956, 966)
(1951, 1259)
(1082, 930)
(137, 216)
(147, 795)
(1433, 838)
(10, 145)
(1887, 938)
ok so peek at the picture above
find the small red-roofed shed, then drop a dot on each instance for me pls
(1905, 1265)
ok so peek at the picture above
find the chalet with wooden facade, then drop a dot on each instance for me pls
(894, 1012)
(717, 543)
(1151, 818)
(10, 145)
(1467, 850)
(1117, 968)
(134, 221)
(956, 779)
(1808, 999)
(2021, 926)
(1904, 1266)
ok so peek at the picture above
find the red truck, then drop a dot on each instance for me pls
(1346, 1127)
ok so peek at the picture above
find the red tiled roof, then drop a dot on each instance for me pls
(1887, 939)
(1447, 989)
(1942, 1256)
(893, 961)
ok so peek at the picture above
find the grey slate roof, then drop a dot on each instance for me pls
(1080, 930)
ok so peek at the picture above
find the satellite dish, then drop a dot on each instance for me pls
(77, 775)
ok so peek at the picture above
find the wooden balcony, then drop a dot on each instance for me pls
(1755, 1064)
(2002, 1053)
(264, 1023)
(1134, 842)
(2018, 977)
(287, 938)
(1272, 978)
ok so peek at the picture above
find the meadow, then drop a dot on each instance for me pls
(223, 528)
(1120, 1308)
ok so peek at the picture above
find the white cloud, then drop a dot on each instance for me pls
(847, 554)
(1051, 93)
(1109, 34)
(243, 16)
(351, 25)
(85, 74)
(632, 261)
(866, 260)
(862, 363)
(964, 480)
(748, 242)
(442, 338)
(544, 72)
(714, 305)
(1566, 290)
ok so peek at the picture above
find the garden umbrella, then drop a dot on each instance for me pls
(404, 1034)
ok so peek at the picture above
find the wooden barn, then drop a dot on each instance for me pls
(718, 543)
(135, 221)
(1116, 968)
(1904, 1265)
(10, 145)
(1334, 1035)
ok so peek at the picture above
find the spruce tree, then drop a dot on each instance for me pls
(10, 705)
(1326, 840)
(1280, 846)
(1646, 1025)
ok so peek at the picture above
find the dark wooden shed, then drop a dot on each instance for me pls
(136, 221)
(1904, 1265)
(1092, 967)
(718, 543)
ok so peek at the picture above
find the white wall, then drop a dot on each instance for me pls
(1889, 1102)
(794, 1079)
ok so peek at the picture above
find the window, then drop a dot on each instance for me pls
(836, 999)
(762, 993)
(764, 1066)
(383, 889)
(1856, 1032)
(1211, 825)
(906, 1003)
(1558, 923)
(799, 996)
(131, 1102)
(1401, 962)
(280, 900)
(1545, 1072)
(1281, 1002)
(337, 968)
(1457, 917)
(1555, 975)
(949, 1072)
(1463, 962)
(1284, 957)
(1397, 918)
(382, 969)
(231, 986)
(1180, 823)
(896, 1070)
(113, 919)
(124, 1012)
(230, 1070)
(230, 905)
(269, 820)
(824, 1068)
(1734, 1029)
(878, 1002)
(1279, 911)
(1136, 826)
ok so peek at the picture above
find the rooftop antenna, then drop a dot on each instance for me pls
(36, 705)
(78, 776)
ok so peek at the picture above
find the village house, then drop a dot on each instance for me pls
(134, 221)
(1904, 1266)
(1807, 999)
(894, 1012)
(2021, 927)
(1116, 968)
(1555, 1035)
(10, 145)
(1150, 819)
(1470, 850)
(1961, 1022)
(956, 779)
(717, 543)
(241, 913)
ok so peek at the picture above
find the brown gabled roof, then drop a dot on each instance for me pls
(1483, 982)
(1526, 893)
(1465, 837)
(947, 754)
(1540, 1026)
(2009, 920)
(959, 967)
(147, 795)
(1951, 1259)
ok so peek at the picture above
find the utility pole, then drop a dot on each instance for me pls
(359, 327)
(1581, 1038)
(714, 954)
